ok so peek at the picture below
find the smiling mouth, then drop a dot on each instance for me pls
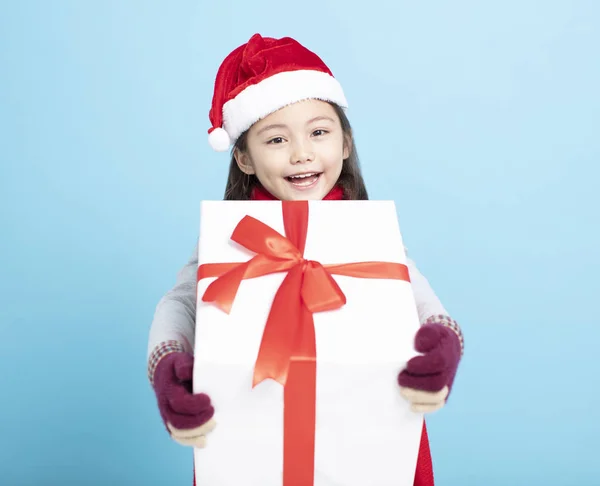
(304, 180)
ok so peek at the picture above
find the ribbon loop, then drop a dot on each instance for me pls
(262, 239)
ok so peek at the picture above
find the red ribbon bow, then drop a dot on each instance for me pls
(287, 352)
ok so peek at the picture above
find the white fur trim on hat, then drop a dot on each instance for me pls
(275, 92)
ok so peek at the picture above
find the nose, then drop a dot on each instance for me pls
(302, 152)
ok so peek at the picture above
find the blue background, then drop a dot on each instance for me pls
(480, 119)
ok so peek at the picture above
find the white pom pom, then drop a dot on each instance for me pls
(219, 140)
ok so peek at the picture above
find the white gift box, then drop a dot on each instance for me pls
(365, 433)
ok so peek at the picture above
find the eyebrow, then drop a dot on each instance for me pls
(269, 127)
(281, 125)
(319, 118)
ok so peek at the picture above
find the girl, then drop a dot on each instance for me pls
(283, 110)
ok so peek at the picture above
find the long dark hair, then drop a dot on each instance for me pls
(240, 185)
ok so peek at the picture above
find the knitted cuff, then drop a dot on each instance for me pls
(452, 324)
(160, 352)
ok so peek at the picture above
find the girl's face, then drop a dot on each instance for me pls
(296, 152)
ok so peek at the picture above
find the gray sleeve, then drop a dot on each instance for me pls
(175, 314)
(428, 303)
(429, 306)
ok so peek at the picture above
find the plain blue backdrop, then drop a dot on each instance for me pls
(480, 119)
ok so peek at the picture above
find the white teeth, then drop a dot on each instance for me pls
(302, 176)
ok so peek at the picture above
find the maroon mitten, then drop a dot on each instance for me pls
(436, 368)
(173, 386)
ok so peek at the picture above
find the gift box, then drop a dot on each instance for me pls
(305, 317)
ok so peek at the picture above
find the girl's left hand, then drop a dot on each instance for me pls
(427, 380)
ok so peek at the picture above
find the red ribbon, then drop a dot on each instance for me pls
(287, 352)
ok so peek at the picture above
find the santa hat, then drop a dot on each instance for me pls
(259, 78)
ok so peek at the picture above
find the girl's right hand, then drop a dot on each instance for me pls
(187, 416)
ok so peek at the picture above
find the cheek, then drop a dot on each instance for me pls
(334, 155)
(266, 164)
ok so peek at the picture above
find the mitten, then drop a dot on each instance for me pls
(187, 416)
(427, 379)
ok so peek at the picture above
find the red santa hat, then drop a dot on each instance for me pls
(259, 78)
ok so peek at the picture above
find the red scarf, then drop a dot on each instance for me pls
(424, 471)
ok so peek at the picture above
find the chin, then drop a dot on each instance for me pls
(314, 195)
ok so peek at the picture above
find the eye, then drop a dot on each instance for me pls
(319, 132)
(275, 140)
